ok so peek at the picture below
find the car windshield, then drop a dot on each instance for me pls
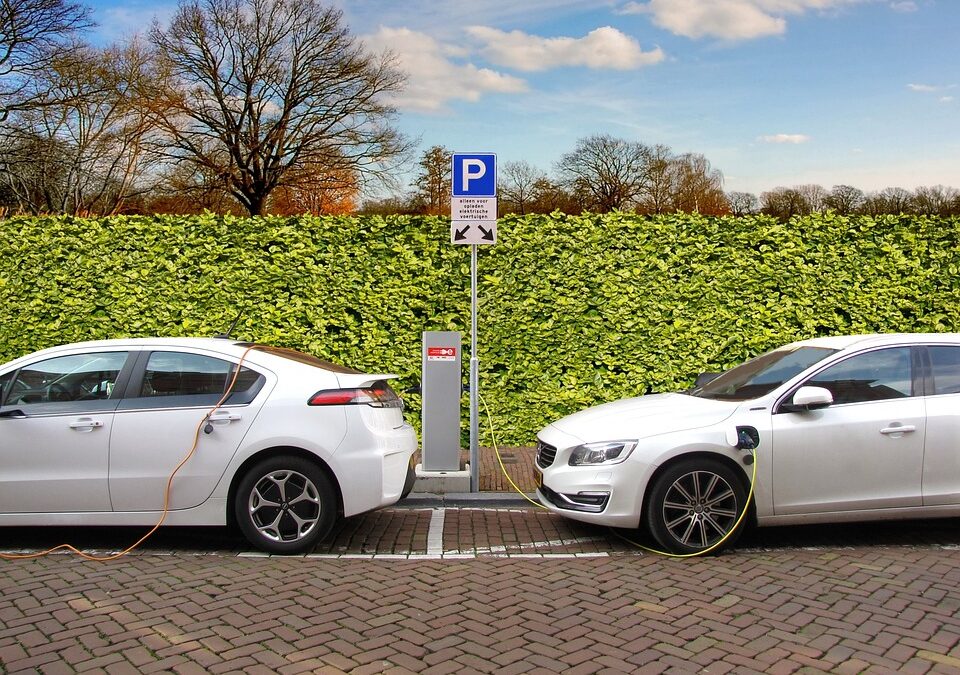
(761, 375)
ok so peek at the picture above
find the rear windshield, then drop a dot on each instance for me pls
(300, 357)
(762, 375)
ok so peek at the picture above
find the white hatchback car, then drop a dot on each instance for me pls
(844, 428)
(90, 433)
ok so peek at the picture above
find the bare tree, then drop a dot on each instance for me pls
(845, 199)
(32, 34)
(517, 186)
(784, 203)
(697, 186)
(889, 200)
(612, 171)
(814, 197)
(432, 183)
(937, 200)
(743, 203)
(262, 88)
(658, 192)
(92, 128)
(549, 196)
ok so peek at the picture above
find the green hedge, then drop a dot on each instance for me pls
(573, 310)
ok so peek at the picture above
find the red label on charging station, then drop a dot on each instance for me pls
(441, 353)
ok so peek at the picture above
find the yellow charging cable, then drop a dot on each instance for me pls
(753, 480)
(166, 494)
(493, 440)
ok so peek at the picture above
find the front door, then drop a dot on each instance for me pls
(863, 452)
(55, 422)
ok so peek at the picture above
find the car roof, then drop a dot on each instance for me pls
(217, 344)
(220, 345)
(876, 340)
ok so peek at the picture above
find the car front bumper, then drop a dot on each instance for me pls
(609, 495)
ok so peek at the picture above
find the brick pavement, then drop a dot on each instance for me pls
(512, 589)
(867, 609)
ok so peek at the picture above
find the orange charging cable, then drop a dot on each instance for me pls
(166, 494)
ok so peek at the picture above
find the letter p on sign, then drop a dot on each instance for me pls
(474, 175)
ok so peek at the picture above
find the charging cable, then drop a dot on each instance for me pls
(743, 513)
(493, 440)
(166, 495)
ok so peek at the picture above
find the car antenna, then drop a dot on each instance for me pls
(226, 336)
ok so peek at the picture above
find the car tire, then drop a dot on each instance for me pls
(694, 505)
(285, 504)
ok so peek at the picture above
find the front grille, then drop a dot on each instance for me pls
(545, 454)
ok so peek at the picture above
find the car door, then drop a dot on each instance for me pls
(941, 466)
(169, 395)
(865, 451)
(55, 420)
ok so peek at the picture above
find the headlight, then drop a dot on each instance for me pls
(606, 452)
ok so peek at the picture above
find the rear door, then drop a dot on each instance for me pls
(55, 422)
(941, 466)
(162, 414)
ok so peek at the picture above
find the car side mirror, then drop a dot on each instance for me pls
(705, 378)
(811, 398)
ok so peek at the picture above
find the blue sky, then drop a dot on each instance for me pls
(772, 92)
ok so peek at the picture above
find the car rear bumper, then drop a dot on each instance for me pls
(374, 474)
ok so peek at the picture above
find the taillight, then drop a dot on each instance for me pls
(379, 395)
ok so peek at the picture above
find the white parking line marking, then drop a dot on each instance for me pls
(435, 534)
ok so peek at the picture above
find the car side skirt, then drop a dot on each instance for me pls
(866, 515)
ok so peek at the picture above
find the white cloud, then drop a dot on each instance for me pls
(434, 77)
(794, 139)
(904, 7)
(930, 88)
(728, 19)
(604, 47)
(946, 99)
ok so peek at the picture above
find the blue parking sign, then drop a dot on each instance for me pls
(475, 175)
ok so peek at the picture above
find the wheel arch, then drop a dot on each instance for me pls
(278, 451)
(729, 462)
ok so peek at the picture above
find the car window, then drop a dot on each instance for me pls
(176, 374)
(181, 374)
(946, 369)
(78, 377)
(874, 376)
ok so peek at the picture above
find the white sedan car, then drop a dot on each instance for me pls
(91, 432)
(844, 429)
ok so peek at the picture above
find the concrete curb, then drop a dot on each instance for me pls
(474, 499)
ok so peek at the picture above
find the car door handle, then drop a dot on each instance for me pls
(224, 417)
(85, 425)
(902, 429)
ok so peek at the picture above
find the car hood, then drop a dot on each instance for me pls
(644, 416)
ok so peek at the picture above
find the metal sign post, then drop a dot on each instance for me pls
(474, 378)
(473, 220)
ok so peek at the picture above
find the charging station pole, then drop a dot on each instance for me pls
(473, 221)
